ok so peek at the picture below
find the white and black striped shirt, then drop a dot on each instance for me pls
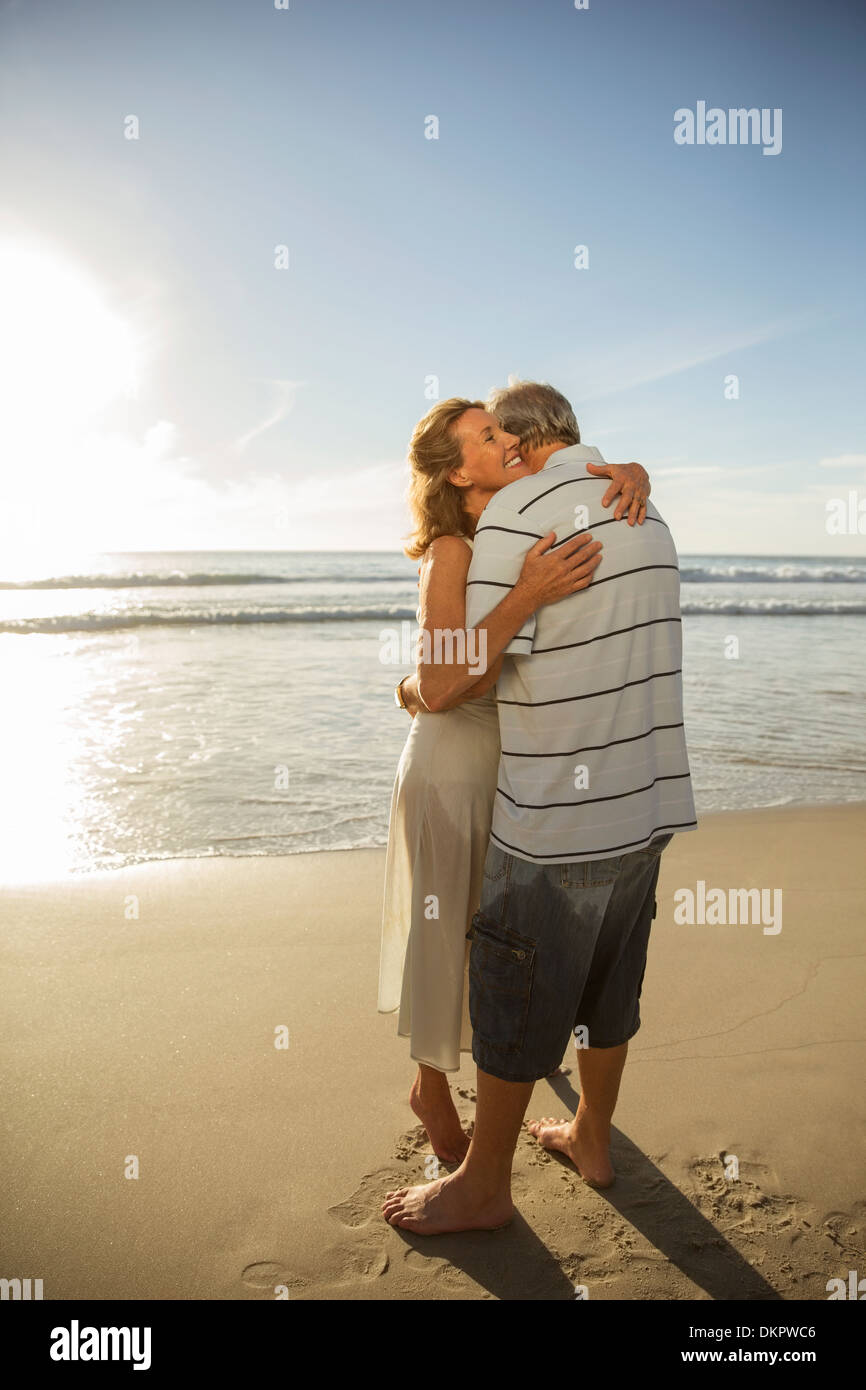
(594, 760)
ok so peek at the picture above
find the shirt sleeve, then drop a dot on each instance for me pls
(500, 545)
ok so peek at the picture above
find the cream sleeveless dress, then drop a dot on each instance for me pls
(438, 834)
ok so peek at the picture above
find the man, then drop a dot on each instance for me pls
(593, 783)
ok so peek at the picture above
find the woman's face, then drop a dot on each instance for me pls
(491, 458)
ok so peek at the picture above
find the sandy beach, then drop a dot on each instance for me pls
(142, 1008)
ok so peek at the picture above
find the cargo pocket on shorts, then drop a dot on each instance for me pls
(501, 965)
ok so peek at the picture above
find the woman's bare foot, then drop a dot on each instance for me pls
(591, 1157)
(431, 1100)
(448, 1204)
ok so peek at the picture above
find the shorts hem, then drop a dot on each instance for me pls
(604, 1045)
(547, 1070)
(497, 1069)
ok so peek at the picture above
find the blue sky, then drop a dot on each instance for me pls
(167, 387)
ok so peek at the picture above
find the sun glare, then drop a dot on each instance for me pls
(65, 355)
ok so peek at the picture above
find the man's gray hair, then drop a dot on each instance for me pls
(536, 412)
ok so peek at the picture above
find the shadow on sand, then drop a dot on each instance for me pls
(514, 1264)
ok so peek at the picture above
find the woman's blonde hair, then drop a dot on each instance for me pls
(434, 452)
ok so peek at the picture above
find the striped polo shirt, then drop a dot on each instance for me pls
(594, 759)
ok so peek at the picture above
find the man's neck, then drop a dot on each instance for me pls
(537, 458)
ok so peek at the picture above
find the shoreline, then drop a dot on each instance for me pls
(153, 1036)
(75, 874)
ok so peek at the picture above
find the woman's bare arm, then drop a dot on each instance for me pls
(414, 703)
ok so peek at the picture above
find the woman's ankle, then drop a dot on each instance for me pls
(430, 1082)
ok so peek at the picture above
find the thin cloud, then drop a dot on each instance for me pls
(624, 375)
(287, 392)
(844, 461)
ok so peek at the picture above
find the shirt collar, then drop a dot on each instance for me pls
(574, 453)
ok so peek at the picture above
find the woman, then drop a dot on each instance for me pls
(442, 803)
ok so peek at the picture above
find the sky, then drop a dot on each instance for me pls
(171, 379)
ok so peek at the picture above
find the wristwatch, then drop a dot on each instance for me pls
(398, 695)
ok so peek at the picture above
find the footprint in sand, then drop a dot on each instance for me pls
(350, 1261)
(424, 1264)
(413, 1143)
(720, 1195)
(365, 1203)
(361, 1260)
(267, 1275)
(438, 1270)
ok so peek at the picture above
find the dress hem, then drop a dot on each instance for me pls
(422, 1061)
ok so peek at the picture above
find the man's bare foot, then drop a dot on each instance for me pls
(591, 1159)
(448, 1204)
(434, 1107)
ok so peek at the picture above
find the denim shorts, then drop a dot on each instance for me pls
(556, 948)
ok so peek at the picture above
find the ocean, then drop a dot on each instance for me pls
(165, 705)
